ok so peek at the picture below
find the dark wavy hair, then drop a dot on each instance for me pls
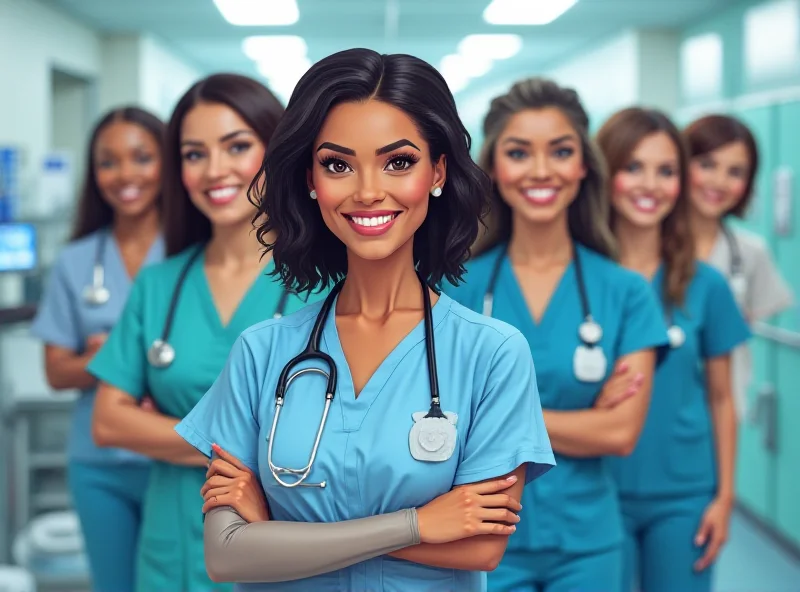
(307, 254)
(184, 224)
(618, 138)
(715, 131)
(93, 211)
(588, 215)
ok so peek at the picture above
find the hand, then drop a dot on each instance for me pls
(95, 342)
(713, 531)
(230, 483)
(467, 511)
(620, 387)
(148, 404)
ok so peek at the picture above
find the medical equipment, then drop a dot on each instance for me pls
(738, 282)
(161, 354)
(96, 293)
(435, 431)
(589, 361)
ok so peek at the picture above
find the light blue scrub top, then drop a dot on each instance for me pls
(574, 508)
(65, 320)
(486, 376)
(675, 455)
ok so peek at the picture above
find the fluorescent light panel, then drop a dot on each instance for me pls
(525, 12)
(476, 56)
(259, 13)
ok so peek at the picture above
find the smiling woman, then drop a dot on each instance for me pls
(368, 184)
(213, 286)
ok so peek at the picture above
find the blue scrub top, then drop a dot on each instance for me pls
(65, 320)
(675, 455)
(486, 377)
(574, 508)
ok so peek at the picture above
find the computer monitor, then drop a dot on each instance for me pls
(18, 247)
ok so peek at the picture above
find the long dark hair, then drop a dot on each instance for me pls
(93, 211)
(618, 138)
(588, 214)
(184, 224)
(307, 254)
(715, 131)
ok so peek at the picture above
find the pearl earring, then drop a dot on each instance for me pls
(313, 194)
(436, 191)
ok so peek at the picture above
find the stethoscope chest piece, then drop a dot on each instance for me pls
(433, 439)
(160, 354)
(589, 363)
(590, 332)
(96, 295)
(676, 336)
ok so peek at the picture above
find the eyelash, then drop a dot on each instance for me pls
(408, 158)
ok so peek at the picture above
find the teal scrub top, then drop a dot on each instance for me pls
(675, 455)
(65, 320)
(574, 508)
(486, 377)
(171, 540)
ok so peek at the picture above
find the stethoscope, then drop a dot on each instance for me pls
(96, 293)
(589, 360)
(737, 280)
(160, 353)
(312, 352)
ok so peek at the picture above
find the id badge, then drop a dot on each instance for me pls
(589, 363)
(433, 439)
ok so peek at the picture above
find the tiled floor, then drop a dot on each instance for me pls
(752, 563)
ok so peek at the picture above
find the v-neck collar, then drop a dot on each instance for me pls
(554, 306)
(198, 277)
(357, 407)
(154, 253)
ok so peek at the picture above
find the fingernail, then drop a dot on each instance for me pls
(513, 528)
(512, 478)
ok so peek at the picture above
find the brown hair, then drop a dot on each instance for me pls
(184, 224)
(588, 215)
(618, 138)
(94, 212)
(715, 131)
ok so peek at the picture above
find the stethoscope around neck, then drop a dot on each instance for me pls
(589, 360)
(312, 352)
(96, 293)
(737, 280)
(161, 353)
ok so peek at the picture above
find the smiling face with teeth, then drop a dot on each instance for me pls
(373, 174)
(220, 156)
(538, 165)
(646, 188)
(127, 168)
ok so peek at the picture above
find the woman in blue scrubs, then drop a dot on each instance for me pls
(546, 267)
(117, 231)
(369, 184)
(676, 489)
(215, 282)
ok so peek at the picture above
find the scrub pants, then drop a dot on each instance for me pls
(659, 544)
(556, 571)
(108, 501)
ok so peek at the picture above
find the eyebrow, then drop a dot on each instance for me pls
(513, 140)
(378, 152)
(224, 138)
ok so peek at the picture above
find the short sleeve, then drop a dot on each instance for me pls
(227, 413)
(768, 292)
(122, 361)
(56, 321)
(724, 327)
(508, 428)
(642, 324)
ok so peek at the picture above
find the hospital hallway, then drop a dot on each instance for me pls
(753, 562)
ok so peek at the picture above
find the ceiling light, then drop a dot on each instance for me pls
(258, 13)
(492, 47)
(274, 47)
(525, 12)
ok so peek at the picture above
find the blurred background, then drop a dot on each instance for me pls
(64, 62)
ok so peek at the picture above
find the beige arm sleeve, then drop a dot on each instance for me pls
(273, 551)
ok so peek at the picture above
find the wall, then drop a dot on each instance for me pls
(164, 77)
